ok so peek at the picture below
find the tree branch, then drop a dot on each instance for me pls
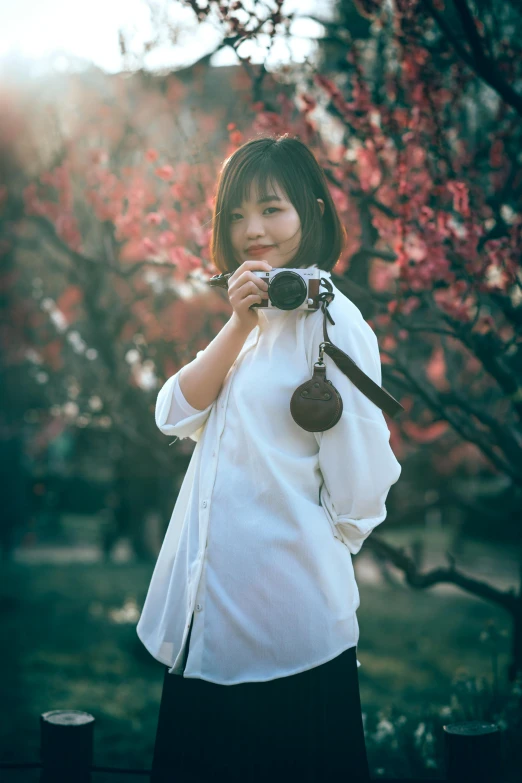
(508, 600)
(460, 426)
(482, 65)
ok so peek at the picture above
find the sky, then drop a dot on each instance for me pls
(55, 30)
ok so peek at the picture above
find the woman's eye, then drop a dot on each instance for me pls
(239, 213)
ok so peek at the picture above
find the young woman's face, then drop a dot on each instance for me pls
(274, 224)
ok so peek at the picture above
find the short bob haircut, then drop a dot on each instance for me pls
(291, 164)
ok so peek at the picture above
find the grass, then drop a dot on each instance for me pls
(67, 643)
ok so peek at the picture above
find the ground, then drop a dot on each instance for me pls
(69, 641)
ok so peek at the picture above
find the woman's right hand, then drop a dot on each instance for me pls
(246, 289)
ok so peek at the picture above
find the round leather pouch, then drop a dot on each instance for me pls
(316, 405)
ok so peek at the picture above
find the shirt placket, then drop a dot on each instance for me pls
(209, 476)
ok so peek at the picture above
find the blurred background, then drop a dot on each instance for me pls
(115, 120)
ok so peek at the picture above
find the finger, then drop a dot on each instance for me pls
(251, 277)
(252, 299)
(254, 263)
(249, 289)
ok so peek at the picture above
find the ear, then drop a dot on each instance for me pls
(321, 204)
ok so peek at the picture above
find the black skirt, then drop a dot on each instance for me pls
(305, 727)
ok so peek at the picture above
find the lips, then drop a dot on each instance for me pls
(259, 250)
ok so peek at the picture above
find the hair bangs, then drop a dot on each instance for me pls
(256, 179)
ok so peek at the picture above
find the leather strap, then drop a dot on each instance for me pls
(383, 399)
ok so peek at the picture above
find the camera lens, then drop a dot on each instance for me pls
(287, 290)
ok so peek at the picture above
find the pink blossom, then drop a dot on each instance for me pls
(165, 172)
(154, 218)
(148, 245)
(166, 238)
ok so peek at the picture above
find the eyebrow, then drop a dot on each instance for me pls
(267, 198)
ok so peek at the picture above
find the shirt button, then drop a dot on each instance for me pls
(204, 504)
(198, 607)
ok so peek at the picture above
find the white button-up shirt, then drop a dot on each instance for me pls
(260, 543)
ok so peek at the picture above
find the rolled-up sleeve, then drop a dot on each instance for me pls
(174, 415)
(357, 463)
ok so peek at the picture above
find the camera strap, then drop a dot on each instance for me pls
(383, 399)
(378, 395)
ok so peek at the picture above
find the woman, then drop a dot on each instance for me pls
(252, 603)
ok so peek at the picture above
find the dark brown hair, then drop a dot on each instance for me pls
(292, 165)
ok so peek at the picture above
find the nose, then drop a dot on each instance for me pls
(254, 227)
